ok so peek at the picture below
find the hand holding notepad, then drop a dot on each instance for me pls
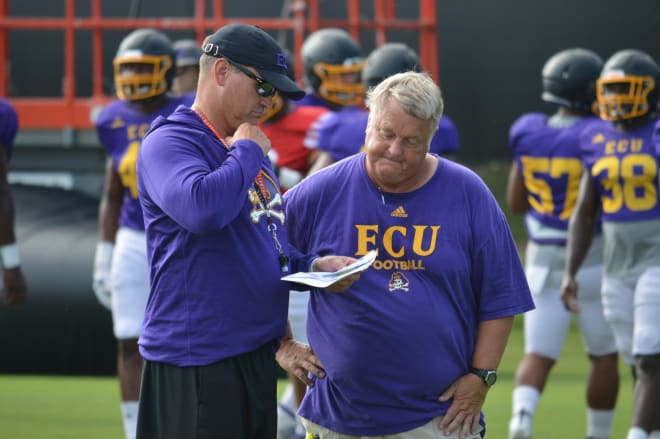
(322, 279)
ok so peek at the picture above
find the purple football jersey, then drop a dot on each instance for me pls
(120, 128)
(406, 330)
(342, 133)
(312, 100)
(624, 167)
(549, 161)
(8, 126)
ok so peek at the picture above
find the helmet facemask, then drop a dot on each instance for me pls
(139, 77)
(622, 97)
(277, 103)
(341, 84)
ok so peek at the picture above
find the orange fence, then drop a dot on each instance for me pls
(73, 112)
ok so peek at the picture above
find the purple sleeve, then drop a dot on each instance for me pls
(499, 275)
(656, 140)
(531, 122)
(176, 175)
(445, 140)
(8, 126)
(342, 134)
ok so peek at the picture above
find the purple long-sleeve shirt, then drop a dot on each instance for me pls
(215, 276)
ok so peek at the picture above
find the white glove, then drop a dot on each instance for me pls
(102, 264)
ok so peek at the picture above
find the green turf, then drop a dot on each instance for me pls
(35, 407)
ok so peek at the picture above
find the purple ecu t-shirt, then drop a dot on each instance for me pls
(8, 126)
(406, 330)
(120, 128)
(342, 133)
(214, 269)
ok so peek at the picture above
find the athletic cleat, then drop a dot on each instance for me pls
(520, 426)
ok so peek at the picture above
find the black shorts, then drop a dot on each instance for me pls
(235, 398)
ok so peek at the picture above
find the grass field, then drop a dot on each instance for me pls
(40, 407)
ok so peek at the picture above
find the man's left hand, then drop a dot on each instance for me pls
(336, 263)
(469, 394)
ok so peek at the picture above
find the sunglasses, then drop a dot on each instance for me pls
(264, 89)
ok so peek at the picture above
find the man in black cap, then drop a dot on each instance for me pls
(217, 249)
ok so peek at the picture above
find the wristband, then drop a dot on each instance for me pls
(103, 253)
(9, 256)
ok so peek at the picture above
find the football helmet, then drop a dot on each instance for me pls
(628, 86)
(569, 78)
(332, 66)
(387, 60)
(187, 52)
(143, 65)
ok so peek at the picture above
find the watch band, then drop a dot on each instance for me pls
(489, 376)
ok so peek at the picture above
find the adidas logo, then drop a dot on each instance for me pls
(117, 123)
(399, 212)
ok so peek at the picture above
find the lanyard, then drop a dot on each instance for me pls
(260, 188)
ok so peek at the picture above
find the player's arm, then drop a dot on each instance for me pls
(110, 205)
(323, 160)
(109, 210)
(15, 289)
(581, 228)
(516, 194)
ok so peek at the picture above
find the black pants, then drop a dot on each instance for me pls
(235, 398)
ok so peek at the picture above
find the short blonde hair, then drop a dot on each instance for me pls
(417, 94)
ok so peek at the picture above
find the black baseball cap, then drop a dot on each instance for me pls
(252, 46)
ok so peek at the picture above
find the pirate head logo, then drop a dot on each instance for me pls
(272, 198)
(398, 281)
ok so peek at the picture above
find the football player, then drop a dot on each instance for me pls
(289, 128)
(13, 282)
(621, 183)
(543, 185)
(332, 67)
(340, 136)
(186, 60)
(143, 73)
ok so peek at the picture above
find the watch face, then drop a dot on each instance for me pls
(491, 377)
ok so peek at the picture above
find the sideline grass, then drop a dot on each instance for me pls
(38, 407)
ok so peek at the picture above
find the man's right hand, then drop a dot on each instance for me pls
(569, 295)
(250, 132)
(102, 265)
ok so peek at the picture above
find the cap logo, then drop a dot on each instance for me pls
(281, 60)
(211, 49)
